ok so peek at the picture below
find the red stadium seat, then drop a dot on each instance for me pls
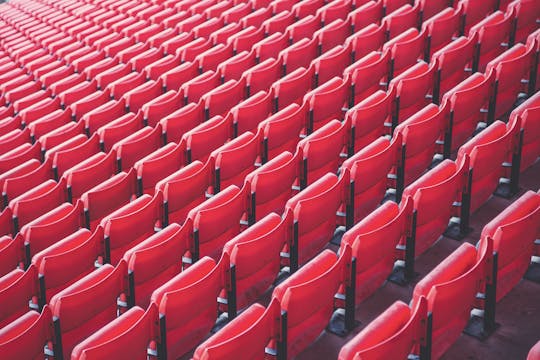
(405, 50)
(442, 28)
(245, 39)
(211, 58)
(220, 99)
(327, 102)
(263, 241)
(429, 8)
(525, 21)
(493, 31)
(119, 129)
(68, 260)
(468, 103)
(450, 289)
(370, 12)
(159, 107)
(18, 293)
(130, 225)
(155, 261)
(157, 165)
(368, 74)
(474, 11)
(37, 201)
(332, 63)
(184, 189)
(488, 151)
(369, 118)
(315, 216)
(249, 334)
(453, 60)
(203, 139)
(261, 76)
(512, 68)
(332, 34)
(270, 46)
(369, 169)
(108, 196)
(414, 89)
(18, 185)
(195, 88)
(401, 19)
(248, 114)
(59, 222)
(187, 306)
(526, 114)
(322, 150)
(137, 145)
(216, 221)
(27, 335)
(102, 114)
(279, 22)
(299, 55)
(174, 78)
(373, 241)
(237, 158)
(292, 87)
(272, 185)
(99, 292)
(434, 195)
(63, 159)
(513, 240)
(138, 96)
(420, 133)
(319, 281)
(182, 120)
(128, 335)
(235, 66)
(399, 331)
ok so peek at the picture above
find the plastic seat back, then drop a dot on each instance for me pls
(434, 194)
(369, 169)
(184, 189)
(67, 261)
(366, 75)
(234, 160)
(468, 102)
(216, 221)
(373, 241)
(526, 113)
(315, 215)
(319, 281)
(487, 152)
(98, 293)
(420, 133)
(255, 254)
(327, 102)
(26, 336)
(513, 236)
(188, 307)
(206, 137)
(322, 151)
(155, 261)
(450, 289)
(396, 332)
(131, 224)
(108, 196)
(18, 293)
(249, 333)
(370, 117)
(272, 185)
